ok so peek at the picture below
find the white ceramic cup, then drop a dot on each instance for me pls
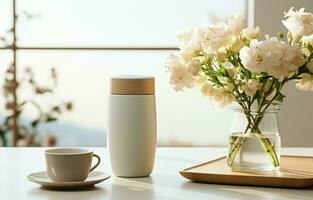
(69, 164)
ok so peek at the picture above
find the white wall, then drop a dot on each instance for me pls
(296, 114)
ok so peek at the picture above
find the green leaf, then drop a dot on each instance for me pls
(51, 119)
(259, 94)
(277, 84)
(303, 69)
(35, 123)
(42, 90)
(222, 70)
(264, 77)
(57, 109)
(279, 97)
(7, 119)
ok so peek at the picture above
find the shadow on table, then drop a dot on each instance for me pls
(132, 188)
(248, 192)
(81, 194)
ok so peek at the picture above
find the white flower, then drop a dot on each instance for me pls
(190, 43)
(219, 95)
(216, 37)
(187, 54)
(193, 66)
(251, 87)
(180, 78)
(309, 65)
(292, 57)
(305, 83)
(307, 39)
(252, 33)
(259, 56)
(219, 36)
(275, 57)
(190, 40)
(291, 60)
(299, 23)
(236, 23)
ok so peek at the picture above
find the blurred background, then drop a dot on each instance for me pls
(61, 54)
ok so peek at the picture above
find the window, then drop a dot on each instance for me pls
(88, 41)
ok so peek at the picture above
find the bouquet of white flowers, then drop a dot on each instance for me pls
(233, 63)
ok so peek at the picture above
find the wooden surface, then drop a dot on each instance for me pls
(132, 85)
(165, 182)
(295, 172)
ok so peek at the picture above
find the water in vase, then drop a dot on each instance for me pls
(252, 156)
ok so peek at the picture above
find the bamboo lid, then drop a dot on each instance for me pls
(132, 85)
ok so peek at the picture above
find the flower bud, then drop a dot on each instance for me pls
(231, 72)
(221, 55)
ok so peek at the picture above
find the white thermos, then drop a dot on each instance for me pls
(131, 133)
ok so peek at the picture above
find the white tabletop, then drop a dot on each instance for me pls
(164, 183)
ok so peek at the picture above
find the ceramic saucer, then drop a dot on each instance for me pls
(43, 179)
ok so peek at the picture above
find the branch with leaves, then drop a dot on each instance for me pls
(44, 113)
(25, 134)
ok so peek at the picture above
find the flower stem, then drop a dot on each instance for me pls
(269, 149)
(234, 148)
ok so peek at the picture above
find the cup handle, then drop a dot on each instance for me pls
(98, 162)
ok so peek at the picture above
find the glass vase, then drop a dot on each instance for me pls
(254, 141)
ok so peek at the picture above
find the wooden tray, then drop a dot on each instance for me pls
(295, 172)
